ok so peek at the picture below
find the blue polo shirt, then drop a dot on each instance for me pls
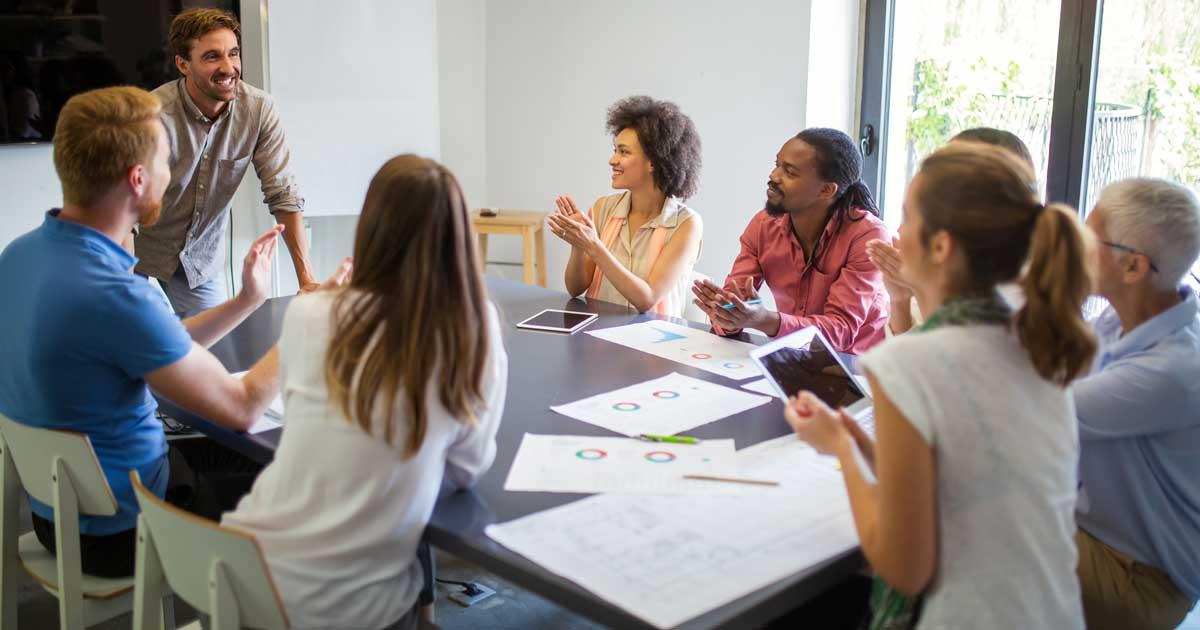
(79, 331)
(1139, 434)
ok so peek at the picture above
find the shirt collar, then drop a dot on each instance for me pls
(1148, 332)
(111, 252)
(832, 226)
(193, 110)
(669, 217)
(621, 210)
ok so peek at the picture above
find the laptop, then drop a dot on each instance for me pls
(805, 360)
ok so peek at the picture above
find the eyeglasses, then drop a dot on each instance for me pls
(1130, 250)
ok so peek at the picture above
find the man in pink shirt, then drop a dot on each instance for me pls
(809, 244)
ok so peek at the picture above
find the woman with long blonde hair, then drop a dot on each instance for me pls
(387, 384)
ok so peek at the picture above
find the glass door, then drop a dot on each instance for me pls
(957, 64)
(1146, 115)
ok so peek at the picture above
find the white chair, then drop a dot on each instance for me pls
(221, 572)
(60, 469)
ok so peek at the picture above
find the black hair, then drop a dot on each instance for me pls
(840, 161)
(668, 138)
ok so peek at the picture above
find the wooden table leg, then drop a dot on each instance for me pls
(539, 238)
(527, 253)
(483, 249)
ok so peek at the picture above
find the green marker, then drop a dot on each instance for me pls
(673, 439)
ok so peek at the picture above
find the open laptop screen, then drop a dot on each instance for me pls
(803, 362)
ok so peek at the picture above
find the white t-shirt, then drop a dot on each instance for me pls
(1006, 449)
(338, 513)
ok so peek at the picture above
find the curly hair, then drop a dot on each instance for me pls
(667, 136)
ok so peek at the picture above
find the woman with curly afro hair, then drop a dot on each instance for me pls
(637, 247)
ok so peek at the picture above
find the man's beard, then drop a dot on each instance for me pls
(149, 211)
(774, 209)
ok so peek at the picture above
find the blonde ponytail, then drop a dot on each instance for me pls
(1057, 280)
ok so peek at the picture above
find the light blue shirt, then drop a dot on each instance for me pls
(1139, 430)
(79, 332)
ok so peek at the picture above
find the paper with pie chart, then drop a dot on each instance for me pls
(663, 406)
(576, 463)
(698, 348)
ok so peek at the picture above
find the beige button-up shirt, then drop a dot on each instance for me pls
(208, 160)
(632, 249)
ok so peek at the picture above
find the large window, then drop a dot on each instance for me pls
(1099, 90)
(1146, 118)
(957, 65)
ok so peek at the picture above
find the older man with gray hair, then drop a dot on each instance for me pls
(1139, 413)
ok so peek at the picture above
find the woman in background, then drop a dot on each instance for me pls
(638, 247)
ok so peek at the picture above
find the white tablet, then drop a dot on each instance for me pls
(805, 360)
(555, 320)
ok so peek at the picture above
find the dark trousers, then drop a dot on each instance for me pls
(204, 478)
(843, 607)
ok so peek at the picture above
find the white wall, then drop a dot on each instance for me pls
(355, 86)
(28, 188)
(833, 77)
(513, 96)
(554, 68)
(743, 74)
(462, 93)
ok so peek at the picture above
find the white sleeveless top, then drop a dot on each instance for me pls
(1006, 445)
(634, 250)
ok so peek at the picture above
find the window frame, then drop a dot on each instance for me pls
(1071, 115)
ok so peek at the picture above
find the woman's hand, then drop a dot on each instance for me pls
(814, 422)
(341, 276)
(573, 226)
(886, 256)
(565, 205)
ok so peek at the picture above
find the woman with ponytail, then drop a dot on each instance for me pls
(809, 245)
(964, 499)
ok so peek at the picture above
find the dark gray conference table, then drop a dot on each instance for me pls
(546, 369)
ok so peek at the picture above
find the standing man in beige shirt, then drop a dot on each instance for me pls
(217, 125)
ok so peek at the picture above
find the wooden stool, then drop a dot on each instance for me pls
(529, 225)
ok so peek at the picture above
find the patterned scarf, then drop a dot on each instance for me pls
(891, 609)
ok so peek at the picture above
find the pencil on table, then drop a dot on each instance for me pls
(756, 482)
